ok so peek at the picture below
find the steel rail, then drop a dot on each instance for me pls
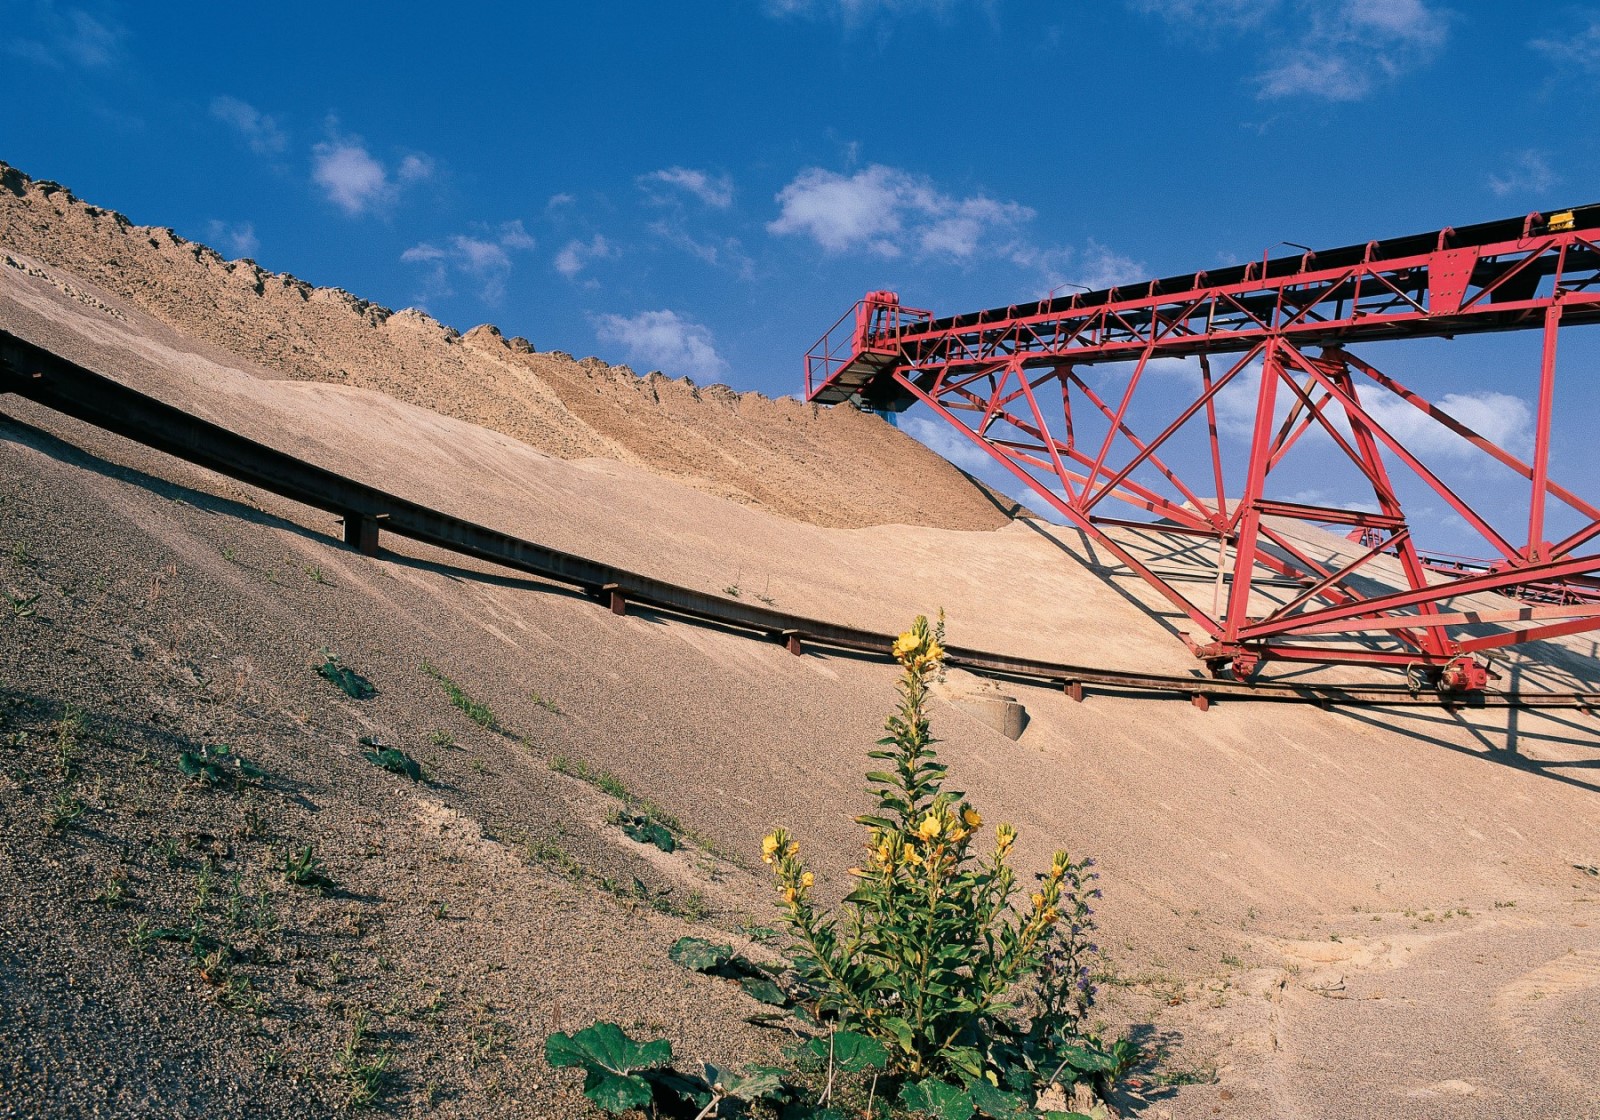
(32, 372)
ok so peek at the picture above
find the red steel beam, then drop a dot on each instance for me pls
(1541, 271)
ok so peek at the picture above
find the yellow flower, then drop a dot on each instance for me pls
(768, 847)
(911, 857)
(906, 644)
(1038, 900)
(972, 817)
(793, 849)
(1059, 867)
(885, 851)
(930, 827)
(789, 895)
(807, 879)
(1004, 837)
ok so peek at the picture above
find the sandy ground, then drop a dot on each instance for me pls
(1320, 914)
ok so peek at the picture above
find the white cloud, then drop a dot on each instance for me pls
(944, 441)
(1349, 48)
(887, 211)
(713, 191)
(262, 133)
(663, 340)
(67, 36)
(356, 181)
(236, 240)
(1498, 417)
(1335, 52)
(349, 175)
(1579, 49)
(484, 259)
(1529, 173)
(576, 255)
(719, 252)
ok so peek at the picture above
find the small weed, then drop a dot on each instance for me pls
(314, 574)
(548, 705)
(441, 911)
(352, 683)
(229, 555)
(1196, 1075)
(694, 908)
(555, 857)
(68, 735)
(477, 711)
(1505, 905)
(217, 766)
(392, 759)
(488, 1042)
(142, 936)
(238, 994)
(63, 811)
(364, 1073)
(731, 590)
(21, 605)
(170, 851)
(264, 917)
(21, 556)
(1232, 961)
(304, 869)
(478, 766)
(114, 895)
(442, 739)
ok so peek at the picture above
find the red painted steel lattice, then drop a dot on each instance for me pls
(1020, 383)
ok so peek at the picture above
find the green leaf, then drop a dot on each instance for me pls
(759, 1083)
(698, 954)
(997, 1104)
(617, 1093)
(646, 830)
(352, 683)
(852, 1052)
(764, 990)
(937, 1099)
(605, 1047)
(395, 761)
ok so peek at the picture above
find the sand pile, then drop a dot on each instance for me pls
(837, 468)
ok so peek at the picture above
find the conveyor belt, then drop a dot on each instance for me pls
(64, 386)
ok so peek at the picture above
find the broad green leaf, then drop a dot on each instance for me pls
(759, 1083)
(617, 1093)
(606, 1047)
(852, 1052)
(937, 1099)
(764, 990)
(997, 1104)
(699, 954)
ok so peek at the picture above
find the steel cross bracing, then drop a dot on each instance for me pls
(1018, 382)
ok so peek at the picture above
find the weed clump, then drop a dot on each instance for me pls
(350, 682)
(475, 710)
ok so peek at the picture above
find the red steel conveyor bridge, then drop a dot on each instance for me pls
(1012, 380)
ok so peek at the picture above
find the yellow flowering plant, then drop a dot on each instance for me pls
(928, 945)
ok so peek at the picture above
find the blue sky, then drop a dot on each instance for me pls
(702, 188)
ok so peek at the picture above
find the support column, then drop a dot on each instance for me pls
(361, 533)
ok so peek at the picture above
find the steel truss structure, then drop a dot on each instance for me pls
(1019, 382)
